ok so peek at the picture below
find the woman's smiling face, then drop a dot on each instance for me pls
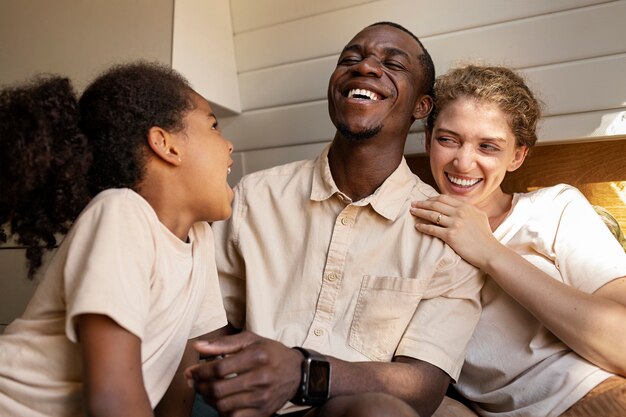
(471, 148)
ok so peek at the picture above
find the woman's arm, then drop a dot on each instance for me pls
(112, 374)
(590, 324)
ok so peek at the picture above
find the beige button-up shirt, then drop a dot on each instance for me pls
(301, 263)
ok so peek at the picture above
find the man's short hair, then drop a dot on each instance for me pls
(424, 58)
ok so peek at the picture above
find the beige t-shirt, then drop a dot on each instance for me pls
(515, 366)
(301, 263)
(118, 260)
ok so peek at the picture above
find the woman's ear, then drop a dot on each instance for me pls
(163, 144)
(518, 158)
(423, 106)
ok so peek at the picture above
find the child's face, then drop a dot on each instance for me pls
(206, 162)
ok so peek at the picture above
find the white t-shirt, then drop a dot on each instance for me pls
(514, 365)
(118, 260)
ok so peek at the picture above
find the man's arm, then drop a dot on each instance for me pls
(419, 383)
(267, 375)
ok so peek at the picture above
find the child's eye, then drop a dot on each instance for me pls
(215, 126)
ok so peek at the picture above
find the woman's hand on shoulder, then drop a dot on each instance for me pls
(461, 225)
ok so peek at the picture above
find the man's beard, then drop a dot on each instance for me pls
(358, 136)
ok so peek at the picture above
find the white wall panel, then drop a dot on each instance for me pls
(281, 126)
(581, 86)
(582, 126)
(547, 39)
(552, 38)
(15, 288)
(254, 14)
(286, 84)
(323, 35)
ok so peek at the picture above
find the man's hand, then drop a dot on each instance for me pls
(255, 376)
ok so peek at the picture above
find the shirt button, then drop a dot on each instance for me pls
(332, 276)
(345, 221)
(319, 331)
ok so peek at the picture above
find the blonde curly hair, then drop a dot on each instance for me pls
(492, 84)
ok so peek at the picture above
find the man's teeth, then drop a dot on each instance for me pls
(363, 94)
(229, 170)
(463, 182)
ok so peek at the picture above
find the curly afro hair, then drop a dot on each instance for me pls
(58, 151)
(43, 164)
(117, 111)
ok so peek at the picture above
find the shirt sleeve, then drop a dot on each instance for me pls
(445, 319)
(110, 264)
(586, 253)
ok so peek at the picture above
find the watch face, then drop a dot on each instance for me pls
(319, 377)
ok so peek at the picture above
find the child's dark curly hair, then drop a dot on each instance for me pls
(43, 164)
(58, 152)
(117, 111)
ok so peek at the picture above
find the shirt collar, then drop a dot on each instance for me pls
(388, 199)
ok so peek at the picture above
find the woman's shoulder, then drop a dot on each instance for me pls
(556, 193)
(542, 207)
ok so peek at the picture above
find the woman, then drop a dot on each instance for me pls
(551, 338)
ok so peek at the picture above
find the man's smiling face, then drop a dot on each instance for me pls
(376, 84)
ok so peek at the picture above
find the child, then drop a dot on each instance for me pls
(135, 277)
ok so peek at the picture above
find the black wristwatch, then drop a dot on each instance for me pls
(314, 386)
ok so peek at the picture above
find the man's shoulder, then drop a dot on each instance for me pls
(422, 190)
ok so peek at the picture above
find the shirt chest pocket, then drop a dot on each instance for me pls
(384, 308)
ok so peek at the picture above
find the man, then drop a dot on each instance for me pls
(323, 255)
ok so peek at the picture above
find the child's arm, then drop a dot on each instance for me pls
(112, 375)
(179, 398)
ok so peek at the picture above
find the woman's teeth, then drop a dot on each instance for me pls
(463, 182)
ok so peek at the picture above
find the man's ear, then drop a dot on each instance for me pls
(423, 106)
(518, 158)
(163, 144)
